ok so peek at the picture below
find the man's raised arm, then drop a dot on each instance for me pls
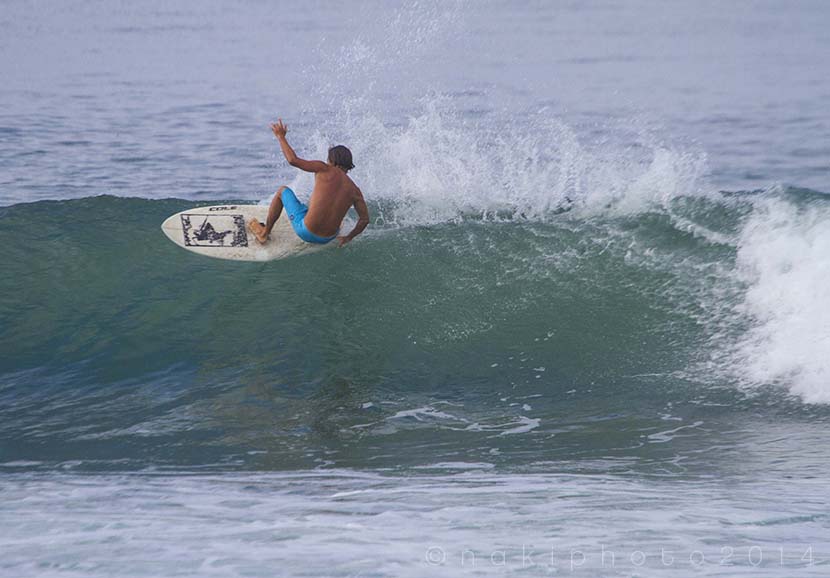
(279, 129)
(362, 221)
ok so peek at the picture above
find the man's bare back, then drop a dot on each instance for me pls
(333, 195)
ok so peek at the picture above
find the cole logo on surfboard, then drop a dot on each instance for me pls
(333, 195)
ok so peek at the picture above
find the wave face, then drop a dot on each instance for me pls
(456, 323)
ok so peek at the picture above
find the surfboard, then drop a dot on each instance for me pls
(221, 231)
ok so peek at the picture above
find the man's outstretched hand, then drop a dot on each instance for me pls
(279, 129)
(342, 241)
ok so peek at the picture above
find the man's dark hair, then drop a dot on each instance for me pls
(341, 157)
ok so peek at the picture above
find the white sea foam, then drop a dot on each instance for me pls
(784, 256)
(340, 523)
(425, 413)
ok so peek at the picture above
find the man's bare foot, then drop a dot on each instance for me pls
(258, 229)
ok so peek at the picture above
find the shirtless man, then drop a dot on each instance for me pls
(334, 193)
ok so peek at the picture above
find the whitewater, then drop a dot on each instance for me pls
(586, 332)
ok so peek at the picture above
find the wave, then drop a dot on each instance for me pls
(716, 288)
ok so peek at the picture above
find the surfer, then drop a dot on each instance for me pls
(334, 193)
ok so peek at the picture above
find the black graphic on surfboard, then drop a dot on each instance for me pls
(214, 230)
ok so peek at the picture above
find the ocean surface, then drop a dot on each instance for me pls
(587, 332)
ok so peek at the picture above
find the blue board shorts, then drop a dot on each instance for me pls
(296, 214)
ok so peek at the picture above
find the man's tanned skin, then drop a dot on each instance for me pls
(334, 193)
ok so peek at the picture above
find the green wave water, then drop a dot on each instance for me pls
(479, 339)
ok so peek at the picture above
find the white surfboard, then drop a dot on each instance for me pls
(221, 231)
